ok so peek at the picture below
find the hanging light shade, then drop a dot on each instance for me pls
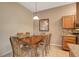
(35, 17)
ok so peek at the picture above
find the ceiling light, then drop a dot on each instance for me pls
(35, 18)
(35, 15)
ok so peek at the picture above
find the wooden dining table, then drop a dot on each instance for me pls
(33, 40)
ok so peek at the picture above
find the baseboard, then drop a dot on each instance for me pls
(56, 45)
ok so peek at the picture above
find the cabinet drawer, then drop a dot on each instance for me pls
(73, 41)
(66, 43)
(69, 38)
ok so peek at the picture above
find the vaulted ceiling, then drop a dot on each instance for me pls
(43, 5)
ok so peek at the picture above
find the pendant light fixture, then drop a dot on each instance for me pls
(35, 17)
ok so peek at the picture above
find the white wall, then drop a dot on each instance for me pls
(13, 18)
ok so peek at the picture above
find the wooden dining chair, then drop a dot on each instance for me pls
(18, 49)
(48, 40)
(45, 45)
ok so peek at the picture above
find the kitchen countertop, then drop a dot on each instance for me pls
(74, 48)
(69, 35)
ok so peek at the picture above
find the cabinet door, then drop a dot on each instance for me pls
(68, 22)
(77, 15)
(68, 39)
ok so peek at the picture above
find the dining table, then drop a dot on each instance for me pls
(33, 41)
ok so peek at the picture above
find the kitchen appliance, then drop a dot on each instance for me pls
(75, 31)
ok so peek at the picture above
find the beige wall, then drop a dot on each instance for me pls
(13, 18)
(54, 16)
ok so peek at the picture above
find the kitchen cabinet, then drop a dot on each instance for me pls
(68, 22)
(68, 39)
(71, 21)
(77, 15)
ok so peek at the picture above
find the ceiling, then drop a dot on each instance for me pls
(43, 5)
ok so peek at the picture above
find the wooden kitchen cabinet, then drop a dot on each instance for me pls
(77, 15)
(68, 22)
(68, 39)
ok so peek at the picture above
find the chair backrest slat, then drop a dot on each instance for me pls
(15, 44)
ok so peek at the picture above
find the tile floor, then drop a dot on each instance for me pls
(57, 52)
(53, 52)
